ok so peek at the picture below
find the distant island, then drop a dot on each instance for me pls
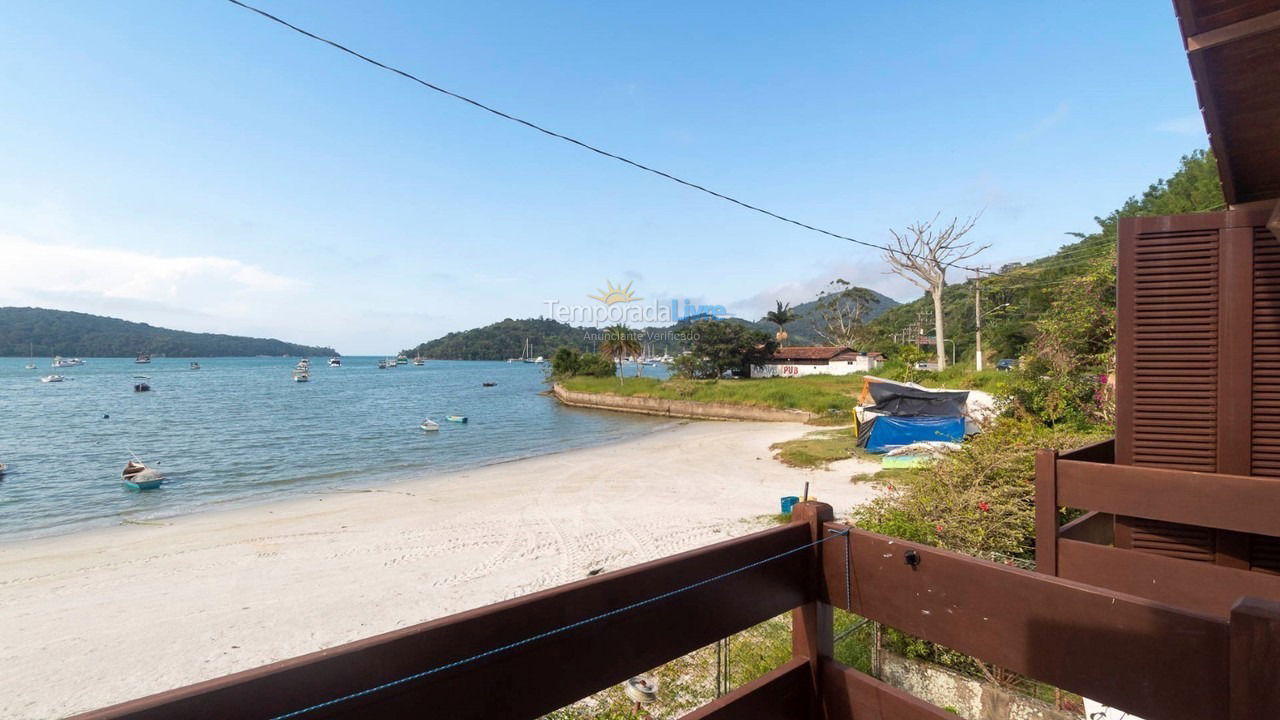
(505, 339)
(46, 333)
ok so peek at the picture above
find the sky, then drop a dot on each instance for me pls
(195, 166)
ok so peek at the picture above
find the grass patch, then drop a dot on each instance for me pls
(817, 449)
(813, 393)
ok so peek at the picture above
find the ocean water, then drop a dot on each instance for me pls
(240, 430)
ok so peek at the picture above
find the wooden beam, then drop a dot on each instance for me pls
(1235, 31)
(852, 694)
(1144, 657)
(783, 693)
(1215, 500)
(1255, 659)
(1200, 587)
(526, 680)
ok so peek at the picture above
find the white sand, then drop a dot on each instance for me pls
(103, 616)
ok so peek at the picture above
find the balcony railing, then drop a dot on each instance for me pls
(526, 657)
(1092, 549)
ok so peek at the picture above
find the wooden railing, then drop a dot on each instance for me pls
(525, 657)
(1085, 550)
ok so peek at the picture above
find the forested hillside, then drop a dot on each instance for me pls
(46, 333)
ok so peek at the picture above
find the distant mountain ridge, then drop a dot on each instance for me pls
(60, 332)
(505, 339)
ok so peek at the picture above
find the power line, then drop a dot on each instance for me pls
(579, 143)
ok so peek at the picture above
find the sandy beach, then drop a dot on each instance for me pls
(103, 616)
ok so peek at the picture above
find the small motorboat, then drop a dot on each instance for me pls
(488, 384)
(335, 362)
(142, 359)
(419, 361)
(382, 364)
(429, 425)
(402, 360)
(52, 378)
(140, 477)
(195, 366)
(456, 418)
(61, 362)
(140, 384)
(301, 375)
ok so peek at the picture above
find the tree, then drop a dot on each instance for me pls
(780, 317)
(720, 347)
(922, 253)
(618, 342)
(841, 309)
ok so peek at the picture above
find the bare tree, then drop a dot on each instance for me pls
(922, 253)
(842, 308)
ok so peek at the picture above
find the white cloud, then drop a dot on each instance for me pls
(871, 275)
(158, 289)
(1191, 124)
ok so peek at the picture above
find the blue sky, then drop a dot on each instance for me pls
(190, 164)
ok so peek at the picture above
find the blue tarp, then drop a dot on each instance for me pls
(887, 432)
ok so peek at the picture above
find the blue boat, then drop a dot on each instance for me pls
(456, 418)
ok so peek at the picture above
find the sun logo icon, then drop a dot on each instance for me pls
(614, 294)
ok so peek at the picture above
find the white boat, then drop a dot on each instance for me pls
(430, 425)
(31, 359)
(401, 359)
(419, 361)
(301, 375)
(142, 359)
(61, 362)
(52, 378)
(195, 366)
(335, 362)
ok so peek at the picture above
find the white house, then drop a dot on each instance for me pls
(797, 361)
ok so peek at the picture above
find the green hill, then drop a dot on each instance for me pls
(505, 339)
(57, 332)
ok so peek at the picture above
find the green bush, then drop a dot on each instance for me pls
(568, 362)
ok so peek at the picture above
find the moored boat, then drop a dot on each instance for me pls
(301, 375)
(488, 384)
(52, 379)
(140, 383)
(402, 360)
(61, 362)
(3, 467)
(140, 477)
(142, 359)
(382, 364)
(429, 425)
(335, 362)
(419, 361)
(195, 366)
(456, 418)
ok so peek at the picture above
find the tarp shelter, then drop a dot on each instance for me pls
(894, 414)
(882, 433)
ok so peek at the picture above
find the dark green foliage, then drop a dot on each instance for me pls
(57, 332)
(720, 347)
(568, 362)
(505, 339)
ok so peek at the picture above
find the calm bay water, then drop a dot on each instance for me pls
(240, 430)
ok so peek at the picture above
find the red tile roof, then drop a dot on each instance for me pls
(810, 353)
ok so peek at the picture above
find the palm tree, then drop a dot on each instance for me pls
(619, 341)
(780, 317)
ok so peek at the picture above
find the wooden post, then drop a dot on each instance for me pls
(1255, 659)
(1047, 512)
(812, 624)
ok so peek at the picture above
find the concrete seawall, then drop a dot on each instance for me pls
(676, 408)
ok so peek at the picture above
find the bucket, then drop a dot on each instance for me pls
(788, 502)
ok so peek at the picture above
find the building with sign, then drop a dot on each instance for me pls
(797, 361)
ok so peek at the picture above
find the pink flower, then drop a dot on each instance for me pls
(938, 528)
(984, 506)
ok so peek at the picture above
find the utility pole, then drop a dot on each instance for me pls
(977, 317)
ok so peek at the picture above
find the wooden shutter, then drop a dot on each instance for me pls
(1265, 422)
(1174, 366)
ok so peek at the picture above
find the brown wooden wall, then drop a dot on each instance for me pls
(1198, 367)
